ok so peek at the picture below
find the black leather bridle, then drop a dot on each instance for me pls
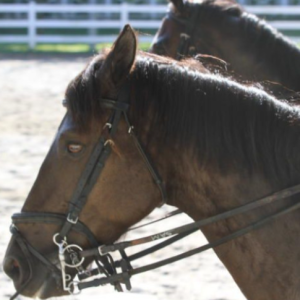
(73, 256)
(70, 222)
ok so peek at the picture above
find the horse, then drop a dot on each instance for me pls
(141, 131)
(253, 50)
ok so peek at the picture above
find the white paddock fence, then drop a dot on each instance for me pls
(32, 23)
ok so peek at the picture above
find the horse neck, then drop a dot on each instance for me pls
(257, 52)
(252, 260)
(278, 58)
(203, 190)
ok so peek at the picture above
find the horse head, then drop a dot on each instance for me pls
(197, 28)
(251, 47)
(218, 145)
(107, 204)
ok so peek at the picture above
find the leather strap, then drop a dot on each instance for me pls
(96, 161)
(126, 275)
(147, 160)
(52, 218)
(85, 184)
(288, 192)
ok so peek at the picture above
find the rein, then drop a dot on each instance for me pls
(72, 256)
(183, 231)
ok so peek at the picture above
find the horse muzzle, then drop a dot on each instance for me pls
(21, 263)
(16, 269)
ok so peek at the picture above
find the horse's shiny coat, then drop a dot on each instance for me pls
(253, 50)
(216, 144)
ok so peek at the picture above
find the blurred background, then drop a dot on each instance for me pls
(85, 25)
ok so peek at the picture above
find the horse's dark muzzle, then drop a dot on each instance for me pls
(14, 269)
(20, 263)
(16, 266)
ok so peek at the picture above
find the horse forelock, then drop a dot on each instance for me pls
(83, 95)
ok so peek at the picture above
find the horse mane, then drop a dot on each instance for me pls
(225, 123)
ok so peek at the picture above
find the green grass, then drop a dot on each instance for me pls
(61, 48)
(58, 48)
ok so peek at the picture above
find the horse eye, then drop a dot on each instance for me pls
(74, 148)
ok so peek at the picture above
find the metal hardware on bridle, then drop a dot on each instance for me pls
(75, 262)
(73, 256)
(93, 169)
(174, 235)
(101, 152)
(178, 233)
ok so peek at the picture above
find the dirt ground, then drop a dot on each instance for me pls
(31, 90)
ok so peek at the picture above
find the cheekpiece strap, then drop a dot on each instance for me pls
(97, 159)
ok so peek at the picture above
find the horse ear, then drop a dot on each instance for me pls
(121, 58)
(179, 5)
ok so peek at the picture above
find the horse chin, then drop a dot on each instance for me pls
(44, 286)
(49, 289)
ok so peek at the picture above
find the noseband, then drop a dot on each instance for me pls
(108, 270)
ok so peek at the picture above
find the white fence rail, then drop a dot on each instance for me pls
(32, 22)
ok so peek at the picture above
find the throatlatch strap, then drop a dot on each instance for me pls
(146, 158)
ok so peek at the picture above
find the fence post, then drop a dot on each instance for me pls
(124, 15)
(32, 24)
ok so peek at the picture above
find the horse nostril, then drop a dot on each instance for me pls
(12, 268)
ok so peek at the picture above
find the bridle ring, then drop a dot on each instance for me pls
(55, 240)
(79, 263)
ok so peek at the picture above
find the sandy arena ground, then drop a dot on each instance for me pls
(31, 90)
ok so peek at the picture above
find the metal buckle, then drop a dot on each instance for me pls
(109, 142)
(102, 251)
(63, 241)
(70, 220)
(130, 129)
(109, 125)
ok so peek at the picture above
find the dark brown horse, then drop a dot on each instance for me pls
(253, 50)
(216, 145)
